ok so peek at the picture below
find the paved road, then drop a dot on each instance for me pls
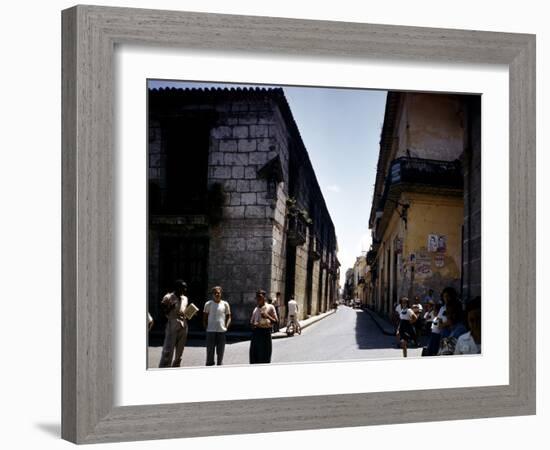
(348, 334)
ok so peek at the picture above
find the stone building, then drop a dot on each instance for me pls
(359, 273)
(349, 285)
(234, 201)
(426, 214)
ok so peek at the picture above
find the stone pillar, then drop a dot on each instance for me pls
(471, 166)
(300, 275)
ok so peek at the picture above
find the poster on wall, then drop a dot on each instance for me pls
(423, 264)
(433, 240)
(437, 243)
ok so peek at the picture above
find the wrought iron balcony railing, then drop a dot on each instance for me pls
(297, 230)
(422, 173)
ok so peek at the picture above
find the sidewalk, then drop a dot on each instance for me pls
(303, 324)
(244, 335)
(382, 323)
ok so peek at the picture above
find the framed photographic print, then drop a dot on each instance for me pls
(319, 202)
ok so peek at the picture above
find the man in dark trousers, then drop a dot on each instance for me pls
(262, 320)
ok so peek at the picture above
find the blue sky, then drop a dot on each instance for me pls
(341, 131)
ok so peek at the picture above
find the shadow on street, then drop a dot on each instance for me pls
(368, 335)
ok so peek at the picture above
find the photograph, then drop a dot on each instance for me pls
(255, 225)
(302, 224)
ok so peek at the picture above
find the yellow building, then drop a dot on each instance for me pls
(418, 213)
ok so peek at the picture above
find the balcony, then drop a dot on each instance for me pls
(297, 230)
(371, 257)
(417, 175)
(426, 172)
(422, 175)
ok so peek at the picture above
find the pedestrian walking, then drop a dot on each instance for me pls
(406, 320)
(262, 319)
(173, 304)
(216, 319)
(293, 311)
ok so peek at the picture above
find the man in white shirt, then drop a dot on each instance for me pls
(175, 336)
(216, 319)
(293, 311)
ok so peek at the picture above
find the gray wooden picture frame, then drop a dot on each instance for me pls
(90, 34)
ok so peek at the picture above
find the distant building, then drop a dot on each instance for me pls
(234, 201)
(359, 277)
(426, 212)
(349, 285)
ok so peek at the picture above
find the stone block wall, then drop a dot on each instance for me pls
(315, 288)
(471, 163)
(240, 262)
(300, 276)
(322, 289)
(278, 262)
(157, 159)
(153, 288)
(247, 246)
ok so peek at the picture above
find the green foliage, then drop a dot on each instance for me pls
(295, 211)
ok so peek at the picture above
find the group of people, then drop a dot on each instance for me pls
(452, 327)
(216, 319)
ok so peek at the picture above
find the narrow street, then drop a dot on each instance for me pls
(346, 335)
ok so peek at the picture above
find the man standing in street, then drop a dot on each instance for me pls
(173, 304)
(216, 319)
(293, 312)
(262, 320)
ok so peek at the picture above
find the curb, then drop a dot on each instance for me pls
(245, 335)
(380, 323)
(303, 324)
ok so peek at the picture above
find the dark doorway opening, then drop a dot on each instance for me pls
(290, 273)
(187, 259)
(187, 144)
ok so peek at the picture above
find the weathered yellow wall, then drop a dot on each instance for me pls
(433, 215)
(430, 126)
(300, 277)
(427, 215)
(395, 229)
